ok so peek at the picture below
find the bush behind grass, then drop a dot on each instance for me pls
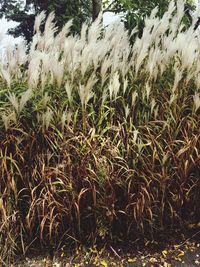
(99, 138)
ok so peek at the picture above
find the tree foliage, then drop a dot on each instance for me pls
(78, 10)
(134, 11)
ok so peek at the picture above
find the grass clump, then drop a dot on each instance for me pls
(99, 138)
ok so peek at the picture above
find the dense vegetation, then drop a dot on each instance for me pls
(99, 138)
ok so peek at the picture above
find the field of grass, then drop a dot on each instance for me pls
(100, 136)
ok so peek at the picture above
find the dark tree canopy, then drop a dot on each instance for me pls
(78, 10)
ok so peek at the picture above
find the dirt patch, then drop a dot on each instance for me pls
(185, 254)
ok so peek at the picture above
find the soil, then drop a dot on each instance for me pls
(182, 251)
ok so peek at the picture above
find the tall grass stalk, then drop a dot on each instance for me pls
(99, 136)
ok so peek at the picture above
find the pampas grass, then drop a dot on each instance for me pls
(99, 137)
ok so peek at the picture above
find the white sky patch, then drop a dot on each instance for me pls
(110, 17)
(5, 25)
